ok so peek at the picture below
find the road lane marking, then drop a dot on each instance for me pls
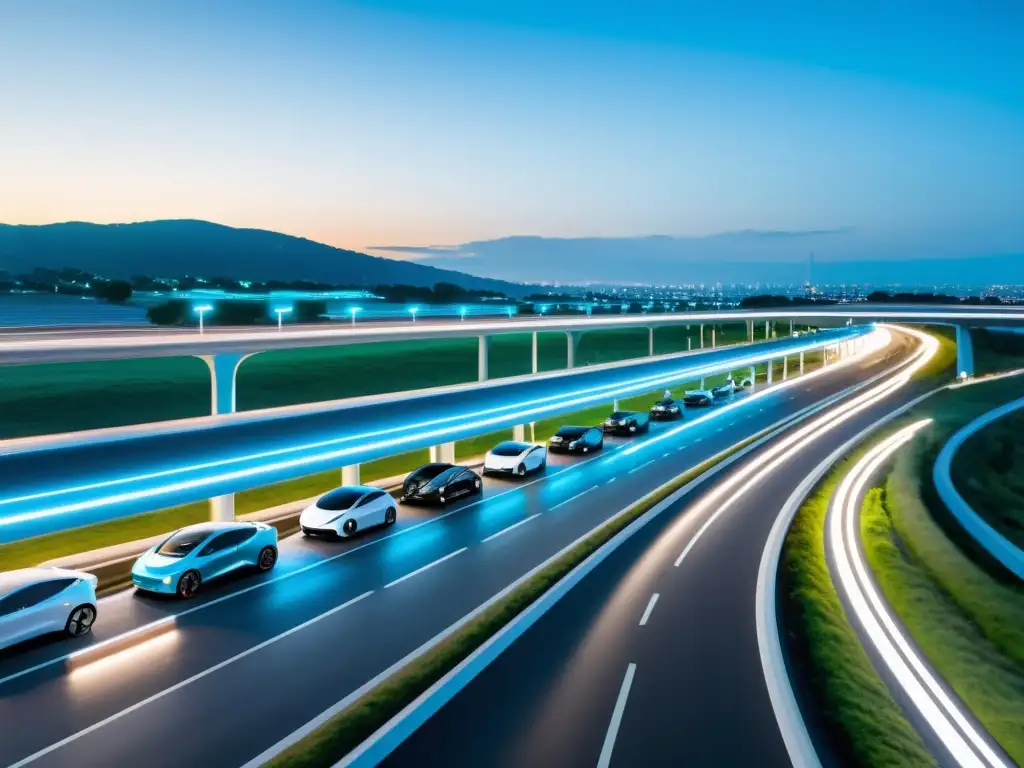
(177, 686)
(506, 530)
(573, 498)
(611, 480)
(613, 727)
(647, 611)
(637, 469)
(418, 571)
(666, 454)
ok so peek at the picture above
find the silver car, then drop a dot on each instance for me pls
(41, 601)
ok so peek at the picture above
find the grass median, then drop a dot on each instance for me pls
(343, 733)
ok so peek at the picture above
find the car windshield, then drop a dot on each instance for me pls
(572, 432)
(664, 402)
(509, 449)
(620, 415)
(183, 542)
(443, 477)
(429, 472)
(342, 498)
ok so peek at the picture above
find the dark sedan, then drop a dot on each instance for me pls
(576, 440)
(699, 398)
(627, 423)
(440, 483)
(666, 410)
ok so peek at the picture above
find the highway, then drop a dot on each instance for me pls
(256, 657)
(73, 345)
(654, 658)
(52, 484)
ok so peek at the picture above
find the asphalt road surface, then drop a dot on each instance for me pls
(256, 657)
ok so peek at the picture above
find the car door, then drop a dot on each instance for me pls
(594, 437)
(218, 555)
(532, 460)
(33, 611)
(368, 510)
(15, 623)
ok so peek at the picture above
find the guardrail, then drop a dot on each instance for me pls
(1001, 548)
(83, 482)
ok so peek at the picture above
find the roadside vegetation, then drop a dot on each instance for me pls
(505, 361)
(966, 616)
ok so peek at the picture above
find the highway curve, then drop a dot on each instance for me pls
(256, 657)
(612, 675)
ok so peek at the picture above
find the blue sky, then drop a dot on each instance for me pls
(418, 123)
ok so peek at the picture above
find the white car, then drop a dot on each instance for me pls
(514, 458)
(39, 601)
(348, 509)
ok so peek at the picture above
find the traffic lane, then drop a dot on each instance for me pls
(698, 680)
(110, 702)
(305, 690)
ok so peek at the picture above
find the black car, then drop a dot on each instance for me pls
(576, 440)
(699, 398)
(627, 423)
(440, 483)
(666, 409)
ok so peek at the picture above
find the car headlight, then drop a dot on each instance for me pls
(167, 579)
(572, 444)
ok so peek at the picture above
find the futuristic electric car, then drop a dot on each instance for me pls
(513, 458)
(576, 440)
(698, 397)
(40, 601)
(439, 483)
(191, 556)
(346, 510)
(666, 409)
(627, 423)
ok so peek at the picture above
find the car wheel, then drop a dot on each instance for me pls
(390, 516)
(267, 559)
(349, 527)
(188, 584)
(521, 470)
(80, 621)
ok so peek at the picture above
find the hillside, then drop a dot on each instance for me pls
(178, 247)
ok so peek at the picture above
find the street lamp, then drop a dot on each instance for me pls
(202, 309)
(413, 311)
(281, 312)
(354, 311)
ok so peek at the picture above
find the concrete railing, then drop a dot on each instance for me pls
(997, 545)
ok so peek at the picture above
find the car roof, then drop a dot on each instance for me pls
(209, 528)
(581, 430)
(13, 580)
(624, 413)
(513, 444)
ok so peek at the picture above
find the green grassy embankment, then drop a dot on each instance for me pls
(966, 617)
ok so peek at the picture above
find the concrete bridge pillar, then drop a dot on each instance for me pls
(572, 339)
(445, 452)
(753, 378)
(223, 373)
(750, 331)
(350, 475)
(650, 341)
(801, 363)
(964, 352)
(533, 353)
(483, 345)
(702, 335)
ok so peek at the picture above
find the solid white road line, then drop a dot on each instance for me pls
(611, 480)
(177, 686)
(613, 727)
(573, 498)
(418, 571)
(641, 466)
(511, 527)
(647, 611)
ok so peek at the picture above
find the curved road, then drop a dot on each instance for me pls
(257, 657)
(653, 659)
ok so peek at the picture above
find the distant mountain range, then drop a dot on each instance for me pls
(845, 255)
(174, 248)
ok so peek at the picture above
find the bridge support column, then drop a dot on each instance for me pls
(753, 377)
(615, 404)
(785, 368)
(444, 452)
(713, 342)
(533, 352)
(702, 335)
(650, 341)
(750, 331)
(964, 352)
(801, 363)
(223, 373)
(689, 343)
(770, 371)
(702, 382)
(791, 326)
(519, 432)
(483, 345)
(767, 329)
(350, 475)
(572, 342)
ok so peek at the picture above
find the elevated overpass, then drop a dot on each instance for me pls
(53, 483)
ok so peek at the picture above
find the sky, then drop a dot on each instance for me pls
(397, 123)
